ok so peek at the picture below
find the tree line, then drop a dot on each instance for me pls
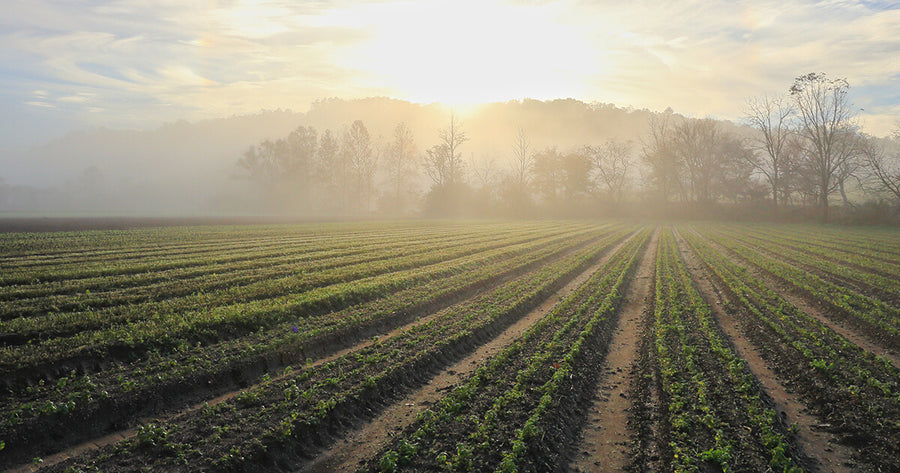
(794, 153)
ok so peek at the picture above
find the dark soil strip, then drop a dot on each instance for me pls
(606, 439)
(646, 421)
(819, 449)
(362, 444)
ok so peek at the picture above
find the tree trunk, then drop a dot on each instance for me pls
(844, 195)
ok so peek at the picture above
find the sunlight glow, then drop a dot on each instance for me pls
(467, 52)
(254, 18)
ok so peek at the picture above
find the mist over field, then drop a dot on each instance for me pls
(191, 167)
(521, 158)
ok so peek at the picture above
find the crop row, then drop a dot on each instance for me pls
(83, 312)
(136, 388)
(53, 248)
(271, 422)
(74, 259)
(880, 321)
(850, 389)
(872, 276)
(149, 265)
(493, 420)
(869, 257)
(712, 409)
(169, 267)
(167, 328)
(223, 262)
(875, 244)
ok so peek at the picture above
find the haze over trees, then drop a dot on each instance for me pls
(380, 157)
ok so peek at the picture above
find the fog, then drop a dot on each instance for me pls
(187, 168)
(388, 158)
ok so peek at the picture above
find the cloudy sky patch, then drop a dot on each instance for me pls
(137, 64)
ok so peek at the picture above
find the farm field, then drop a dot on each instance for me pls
(451, 346)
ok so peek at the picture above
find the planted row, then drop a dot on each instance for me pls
(825, 368)
(166, 330)
(280, 417)
(712, 412)
(872, 277)
(160, 381)
(85, 312)
(879, 320)
(492, 420)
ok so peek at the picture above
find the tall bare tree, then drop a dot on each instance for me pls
(400, 163)
(484, 171)
(612, 162)
(883, 167)
(825, 122)
(523, 158)
(771, 117)
(549, 175)
(443, 161)
(659, 155)
(361, 161)
(299, 162)
(331, 174)
(696, 143)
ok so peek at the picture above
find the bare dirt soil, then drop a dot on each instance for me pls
(606, 440)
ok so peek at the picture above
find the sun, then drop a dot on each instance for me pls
(463, 53)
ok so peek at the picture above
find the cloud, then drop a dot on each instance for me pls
(708, 58)
(130, 63)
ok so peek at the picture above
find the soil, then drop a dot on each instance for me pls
(605, 441)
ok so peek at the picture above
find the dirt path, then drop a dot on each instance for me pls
(605, 441)
(363, 443)
(821, 448)
(803, 304)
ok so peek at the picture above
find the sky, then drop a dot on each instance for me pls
(135, 64)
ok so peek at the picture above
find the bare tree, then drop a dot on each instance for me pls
(659, 156)
(696, 143)
(523, 158)
(850, 167)
(443, 162)
(825, 121)
(331, 175)
(361, 161)
(576, 169)
(883, 168)
(733, 178)
(263, 164)
(484, 170)
(771, 117)
(299, 161)
(612, 161)
(548, 175)
(401, 166)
